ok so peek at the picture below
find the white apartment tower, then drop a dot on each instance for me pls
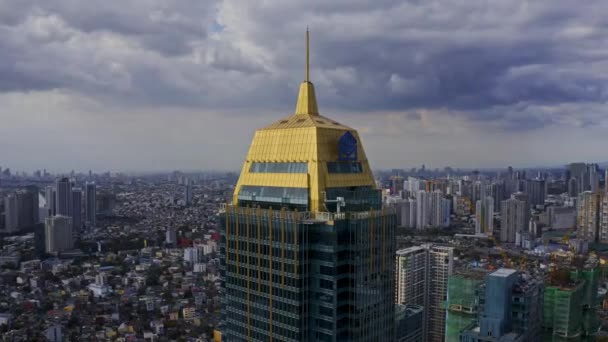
(421, 278)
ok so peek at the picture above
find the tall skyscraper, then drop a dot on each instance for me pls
(63, 197)
(187, 191)
(432, 210)
(536, 190)
(411, 275)
(588, 217)
(307, 247)
(513, 218)
(422, 278)
(603, 229)
(90, 204)
(77, 210)
(484, 216)
(27, 207)
(50, 197)
(498, 193)
(58, 234)
(11, 214)
(579, 172)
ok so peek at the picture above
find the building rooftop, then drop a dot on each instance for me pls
(409, 250)
(503, 272)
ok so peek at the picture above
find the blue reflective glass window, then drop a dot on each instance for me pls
(344, 167)
(278, 168)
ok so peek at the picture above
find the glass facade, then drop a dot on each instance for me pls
(267, 196)
(278, 168)
(290, 277)
(344, 167)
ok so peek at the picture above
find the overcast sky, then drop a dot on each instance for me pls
(160, 85)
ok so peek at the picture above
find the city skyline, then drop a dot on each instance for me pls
(159, 86)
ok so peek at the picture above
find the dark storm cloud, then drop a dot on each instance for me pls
(485, 61)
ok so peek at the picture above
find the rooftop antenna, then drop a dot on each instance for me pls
(307, 56)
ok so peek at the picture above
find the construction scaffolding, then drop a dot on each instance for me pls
(571, 302)
(462, 301)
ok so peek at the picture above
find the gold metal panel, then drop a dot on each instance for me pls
(307, 137)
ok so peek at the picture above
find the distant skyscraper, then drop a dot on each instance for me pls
(432, 210)
(536, 189)
(408, 213)
(77, 210)
(50, 197)
(513, 219)
(188, 191)
(307, 249)
(484, 216)
(603, 230)
(498, 193)
(63, 197)
(58, 234)
(573, 187)
(588, 216)
(11, 214)
(90, 204)
(421, 278)
(27, 207)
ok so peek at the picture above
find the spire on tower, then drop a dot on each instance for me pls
(307, 100)
(307, 56)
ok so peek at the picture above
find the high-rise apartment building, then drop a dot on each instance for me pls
(50, 196)
(58, 234)
(606, 181)
(11, 214)
(422, 274)
(63, 197)
(27, 207)
(76, 210)
(588, 217)
(514, 217)
(536, 190)
(307, 250)
(90, 199)
(498, 193)
(462, 205)
(603, 229)
(484, 216)
(411, 275)
(187, 191)
(432, 210)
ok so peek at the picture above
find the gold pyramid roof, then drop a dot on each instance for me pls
(304, 137)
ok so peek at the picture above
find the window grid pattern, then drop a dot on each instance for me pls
(258, 167)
